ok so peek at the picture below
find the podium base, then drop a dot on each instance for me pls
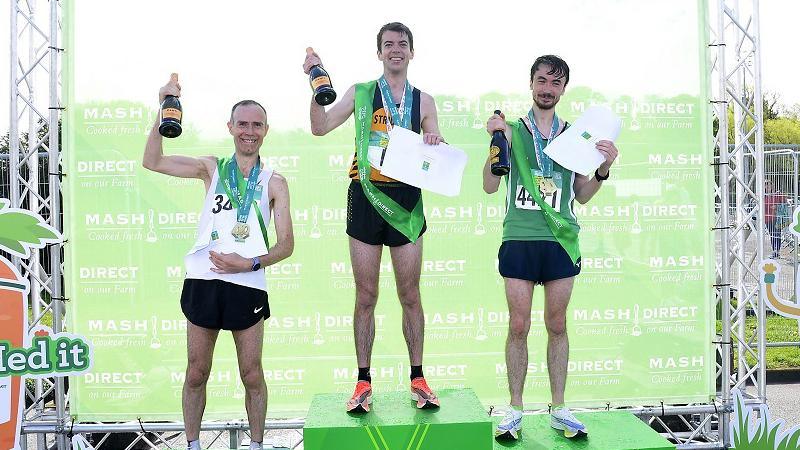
(394, 422)
(608, 430)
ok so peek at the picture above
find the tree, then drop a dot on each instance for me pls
(5, 140)
(782, 130)
(781, 124)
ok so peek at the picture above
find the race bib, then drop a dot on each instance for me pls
(524, 200)
(378, 141)
(375, 155)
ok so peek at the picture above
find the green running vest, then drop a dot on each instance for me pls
(524, 220)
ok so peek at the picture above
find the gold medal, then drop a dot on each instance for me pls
(547, 186)
(241, 231)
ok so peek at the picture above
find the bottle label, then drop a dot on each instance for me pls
(320, 81)
(171, 113)
(494, 151)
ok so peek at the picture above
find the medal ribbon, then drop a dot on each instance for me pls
(231, 185)
(401, 118)
(544, 161)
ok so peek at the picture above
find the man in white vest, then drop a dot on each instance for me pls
(225, 286)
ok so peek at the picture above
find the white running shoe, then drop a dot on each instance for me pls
(510, 426)
(562, 419)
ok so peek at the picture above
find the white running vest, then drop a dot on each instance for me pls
(214, 233)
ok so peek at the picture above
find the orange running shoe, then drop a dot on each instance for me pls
(422, 394)
(362, 397)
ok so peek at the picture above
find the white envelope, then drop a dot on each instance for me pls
(436, 168)
(574, 149)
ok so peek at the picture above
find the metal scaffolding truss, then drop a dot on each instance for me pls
(35, 61)
(735, 52)
(735, 77)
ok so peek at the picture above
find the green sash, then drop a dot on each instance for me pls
(563, 232)
(408, 223)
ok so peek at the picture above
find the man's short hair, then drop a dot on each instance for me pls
(247, 103)
(558, 67)
(398, 27)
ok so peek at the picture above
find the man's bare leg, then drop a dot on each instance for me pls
(556, 300)
(366, 262)
(200, 352)
(519, 294)
(249, 344)
(407, 264)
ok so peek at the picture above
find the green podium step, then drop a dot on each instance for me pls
(608, 430)
(394, 423)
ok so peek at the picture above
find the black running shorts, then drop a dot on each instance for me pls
(537, 261)
(367, 225)
(220, 305)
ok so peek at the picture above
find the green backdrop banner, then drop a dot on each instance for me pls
(640, 322)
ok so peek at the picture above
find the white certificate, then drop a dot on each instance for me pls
(436, 168)
(575, 150)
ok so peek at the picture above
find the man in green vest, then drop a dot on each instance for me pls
(540, 239)
(381, 210)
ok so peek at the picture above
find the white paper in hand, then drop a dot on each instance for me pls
(436, 168)
(574, 149)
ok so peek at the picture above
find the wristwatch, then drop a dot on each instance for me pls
(256, 263)
(599, 178)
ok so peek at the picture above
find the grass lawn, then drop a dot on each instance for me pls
(779, 329)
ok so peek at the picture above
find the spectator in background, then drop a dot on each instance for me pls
(774, 205)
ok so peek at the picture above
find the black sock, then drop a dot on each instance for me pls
(416, 371)
(363, 374)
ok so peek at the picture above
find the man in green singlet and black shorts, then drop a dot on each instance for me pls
(380, 210)
(532, 252)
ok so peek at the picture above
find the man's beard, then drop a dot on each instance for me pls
(545, 107)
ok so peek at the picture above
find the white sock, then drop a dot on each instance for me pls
(256, 446)
(194, 445)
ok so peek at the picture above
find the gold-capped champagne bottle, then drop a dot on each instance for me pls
(171, 115)
(498, 152)
(321, 83)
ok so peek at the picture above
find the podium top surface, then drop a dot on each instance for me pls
(459, 406)
(608, 430)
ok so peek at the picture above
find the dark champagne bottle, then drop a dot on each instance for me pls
(498, 152)
(321, 84)
(171, 114)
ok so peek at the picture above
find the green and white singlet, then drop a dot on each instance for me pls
(524, 219)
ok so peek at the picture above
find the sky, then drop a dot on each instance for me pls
(132, 56)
